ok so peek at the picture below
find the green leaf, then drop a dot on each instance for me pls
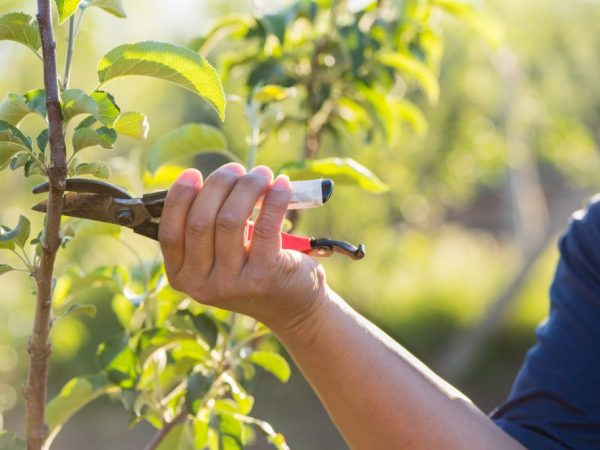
(114, 7)
(185, 141)
(18, 235)
(5, 268)
(108, 110)
(42, 140)
(9, 441)
(123, 309)
(86, 136)
(76, 102)
(409, 65)
(8, 150)
(272, 93)
(66, 8)
(36, 101)
(10, 133)
(343, 171)
(486, 25)
(119, 362)
(411, 113)
(81, 310)
(19, 160)
(178, 65)
(272, 362)
(231, 433)
(198, 386)
(21, 28)
(132, 124)
(74, 395)
(98, 169)
(180, 437)
(13, 109)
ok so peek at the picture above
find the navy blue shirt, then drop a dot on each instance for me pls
(555, 401)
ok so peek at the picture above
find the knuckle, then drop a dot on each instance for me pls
(266, 228)
(175, 283)
(229, 222)
(167, 235)
(198, 225)
(223, 177)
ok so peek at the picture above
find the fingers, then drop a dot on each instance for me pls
(200, 225)
(266, 239)
(233, 217)
(171, 232)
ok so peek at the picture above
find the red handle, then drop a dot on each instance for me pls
(289, 241)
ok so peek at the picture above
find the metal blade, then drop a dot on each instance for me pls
(103, 208)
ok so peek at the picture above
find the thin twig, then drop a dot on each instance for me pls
(35, 390)
(70, 51)
(162, 433)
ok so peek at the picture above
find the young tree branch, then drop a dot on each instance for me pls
(39, 345)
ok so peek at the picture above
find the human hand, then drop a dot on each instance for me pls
(202, 237)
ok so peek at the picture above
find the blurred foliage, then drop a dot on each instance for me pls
(440, 242)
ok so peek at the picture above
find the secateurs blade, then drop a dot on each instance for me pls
(105, 202)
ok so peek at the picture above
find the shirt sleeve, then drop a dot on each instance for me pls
(555, 401)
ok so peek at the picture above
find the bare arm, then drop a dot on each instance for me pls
(378, 394)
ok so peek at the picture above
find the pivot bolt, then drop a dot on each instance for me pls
(124, 217)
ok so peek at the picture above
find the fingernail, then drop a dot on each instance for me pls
(236, 168)
(281, 184)
(190, 177)
(263, 171)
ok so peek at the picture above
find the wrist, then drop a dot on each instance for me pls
(302, 328)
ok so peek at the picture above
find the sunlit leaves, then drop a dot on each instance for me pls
(186, 141)
(21, 28)
(273, 363)
(180, 437)
(231, 432)
(163, 178)
(66, 8)
(483, 23)
(273, 93)
(114, 7)
(74, 395)
(118, 361)
(108, 110)
(36, 101)
(132, 124)
(178, 65)
(409, 66)
(343, 171)
(75, 102)
(91, 133)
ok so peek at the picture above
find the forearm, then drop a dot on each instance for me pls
(378, 394)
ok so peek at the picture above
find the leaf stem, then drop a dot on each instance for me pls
(35, 390)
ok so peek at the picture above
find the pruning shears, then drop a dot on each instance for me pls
(105, 202)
